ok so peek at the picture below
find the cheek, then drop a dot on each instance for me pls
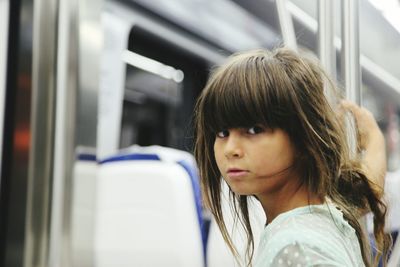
(287, 155)
(218, 154)
(274, 159)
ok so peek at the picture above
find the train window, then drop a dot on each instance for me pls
(150, 106)
(161, 85)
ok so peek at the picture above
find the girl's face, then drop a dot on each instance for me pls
(256, 160)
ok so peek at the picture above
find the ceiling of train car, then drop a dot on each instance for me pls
(379, 39)
(231, 24)
(243, 24)
(376, 33)
(221, 21)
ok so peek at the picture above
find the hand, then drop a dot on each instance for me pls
(372, 142)
(367, 128)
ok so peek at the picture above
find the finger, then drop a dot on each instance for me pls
(350, 106)
(346, 107)
(361, 115)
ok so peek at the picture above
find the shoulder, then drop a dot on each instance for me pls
(315, 237)
(310, 225)
(300, 255)
(299, 251)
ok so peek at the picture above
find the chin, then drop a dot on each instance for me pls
(239, 190)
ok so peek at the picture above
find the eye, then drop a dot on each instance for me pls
(223, 133)
(255, 130)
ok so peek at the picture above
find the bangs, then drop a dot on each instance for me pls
(235, 110)
(242, 95)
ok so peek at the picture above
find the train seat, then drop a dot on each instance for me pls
(83, 207)
(146, 211)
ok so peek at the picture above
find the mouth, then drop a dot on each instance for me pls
(236, 173)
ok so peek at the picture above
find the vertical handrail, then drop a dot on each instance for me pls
(42, 138)
(326, 34)
(65, 126)
(326, 46)
(351, 70)
(286, 25)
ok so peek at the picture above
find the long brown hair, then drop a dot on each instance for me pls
(282, 89)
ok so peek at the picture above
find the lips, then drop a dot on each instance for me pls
(236, 173)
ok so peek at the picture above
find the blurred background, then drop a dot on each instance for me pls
(87, 86)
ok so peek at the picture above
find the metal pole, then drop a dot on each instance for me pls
(286, 24)
(351, 70)
(65, 127)
(326, 34)
(42, 138)
(326, 47)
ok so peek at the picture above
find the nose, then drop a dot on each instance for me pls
(233, 148)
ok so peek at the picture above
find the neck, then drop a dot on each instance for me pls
(288, 197)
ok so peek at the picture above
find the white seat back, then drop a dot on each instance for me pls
(82, 212)
(146, 216)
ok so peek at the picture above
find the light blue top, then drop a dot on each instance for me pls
(315, 235)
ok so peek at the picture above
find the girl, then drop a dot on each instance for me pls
(264, 125)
